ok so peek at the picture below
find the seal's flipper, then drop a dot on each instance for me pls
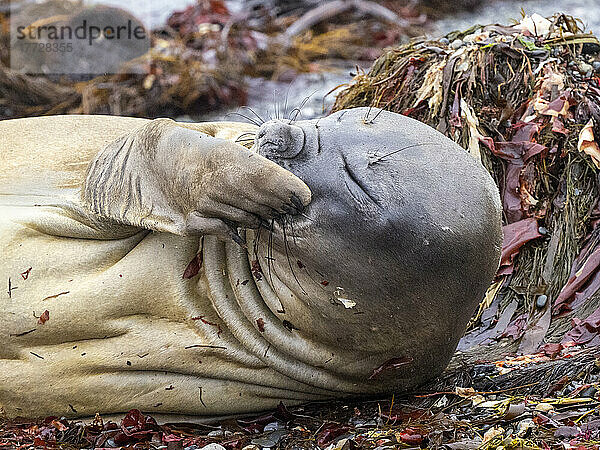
(165, 175)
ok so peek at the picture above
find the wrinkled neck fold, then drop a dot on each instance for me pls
(251, 310)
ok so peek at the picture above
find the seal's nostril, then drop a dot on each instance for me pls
(280, 140)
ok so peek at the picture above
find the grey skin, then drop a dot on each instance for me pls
(401, 218)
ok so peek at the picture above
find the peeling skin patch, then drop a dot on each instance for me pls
(193, 268)
(204, 321)
(256, 270)
(348, 304)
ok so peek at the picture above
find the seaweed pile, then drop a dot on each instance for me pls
(525, 100)
(200, 59)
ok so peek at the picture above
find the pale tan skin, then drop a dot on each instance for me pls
(114, 292)
(208, 167)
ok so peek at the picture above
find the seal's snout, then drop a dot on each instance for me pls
(276, 139)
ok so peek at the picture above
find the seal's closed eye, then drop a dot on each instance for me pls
(280, 140)
(357, 187)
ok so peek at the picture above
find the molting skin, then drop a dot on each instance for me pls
(362, 250)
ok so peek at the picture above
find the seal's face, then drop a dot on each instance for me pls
(349, 210)
(399, 214)
(357, 195)
(335, 162)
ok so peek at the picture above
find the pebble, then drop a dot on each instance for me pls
(272, 426)
(524, 428)
(541, 301)
(585, 68)
(543, 230)
(570, 387)
(444, 41)
(362, 423)
(590, 392)
(544, 407)
(213, 446)
(596, 65)
(456, 44)
(215, 433)
(271, 439)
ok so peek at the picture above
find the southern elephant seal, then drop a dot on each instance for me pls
(120, 296)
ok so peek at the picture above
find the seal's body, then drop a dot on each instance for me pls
(119, 228)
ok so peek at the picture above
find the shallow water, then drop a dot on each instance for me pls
(262, 93)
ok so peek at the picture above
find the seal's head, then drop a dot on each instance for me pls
(400, 241)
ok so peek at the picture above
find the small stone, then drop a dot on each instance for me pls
(456, 44)
(213, 446)
(271, 439)
(541, 301)
(524, 428)
(543, 230)
(585, 68)
(343, 444)
(596, 65)
(492, 433)
(544, 407)
(192, 447)
(272, 426)
(358, 422)
(215, 434)
(590, 392)
(251, 447)
(570, 387)
(444, 41)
